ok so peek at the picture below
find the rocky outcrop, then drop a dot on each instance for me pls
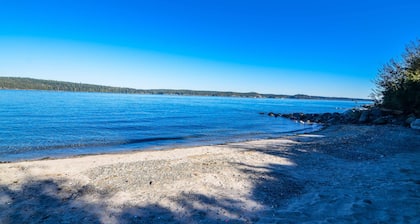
(364, 115)
(314, 118)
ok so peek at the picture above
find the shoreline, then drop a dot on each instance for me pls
(124, 150)
(341, 173)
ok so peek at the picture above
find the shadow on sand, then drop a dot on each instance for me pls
(59, 201)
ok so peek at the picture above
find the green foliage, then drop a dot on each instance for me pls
(398, 83)
(39, 84)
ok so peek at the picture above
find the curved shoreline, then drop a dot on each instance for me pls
(343, 173)
(122, 149)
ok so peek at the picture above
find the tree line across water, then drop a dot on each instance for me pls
(39, 84)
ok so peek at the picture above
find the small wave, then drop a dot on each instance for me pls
(156, 139)
(17, 150)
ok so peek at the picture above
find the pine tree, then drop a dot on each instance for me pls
(398, 83)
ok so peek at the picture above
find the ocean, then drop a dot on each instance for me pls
(44, 124)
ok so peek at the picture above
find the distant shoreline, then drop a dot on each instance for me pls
(18, 83)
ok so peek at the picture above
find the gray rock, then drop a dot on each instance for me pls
(326, 116)
(364, 117)
(333, 120)
(415, 124)
(376, 112)
(297, 116)
(352, 115)
(381, 120)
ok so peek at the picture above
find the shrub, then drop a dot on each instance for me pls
(398, 83)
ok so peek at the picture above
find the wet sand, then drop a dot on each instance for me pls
(342, 174)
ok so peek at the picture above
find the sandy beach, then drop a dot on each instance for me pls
(342, 174)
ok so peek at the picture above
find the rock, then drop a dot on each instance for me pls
(381, 120)
(271, 114)
(309, 117)
(351, 115)
(337, 116)
(415, 124)
(333, 120)
(375, 113)
(410, 119)
(398, 120)
(297, 116)
(286, 115)
(326, 116)
(391, 112)
(364, 117)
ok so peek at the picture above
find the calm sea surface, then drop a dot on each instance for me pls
(38, 124)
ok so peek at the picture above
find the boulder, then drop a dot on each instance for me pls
(375, 113)
(297, 116)
(333, 120)
(309, 117)
(326, 116)
(303, 117)
(381, 120)
(352, 115)
(415, 124)
(364, 117)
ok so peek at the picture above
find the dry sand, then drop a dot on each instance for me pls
(343, 174)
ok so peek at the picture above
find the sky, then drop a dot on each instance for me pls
(322, 48)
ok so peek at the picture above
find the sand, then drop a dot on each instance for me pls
(342, 174)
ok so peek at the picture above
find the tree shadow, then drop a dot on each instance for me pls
(59, 201)
(47, 201)
(44, 201)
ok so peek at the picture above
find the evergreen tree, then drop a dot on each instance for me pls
(398, 83)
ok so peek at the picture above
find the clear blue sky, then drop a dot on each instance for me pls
(327, 48)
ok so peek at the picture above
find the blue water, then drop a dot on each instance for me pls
(38, 124)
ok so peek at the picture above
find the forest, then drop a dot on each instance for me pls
(19, 83)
